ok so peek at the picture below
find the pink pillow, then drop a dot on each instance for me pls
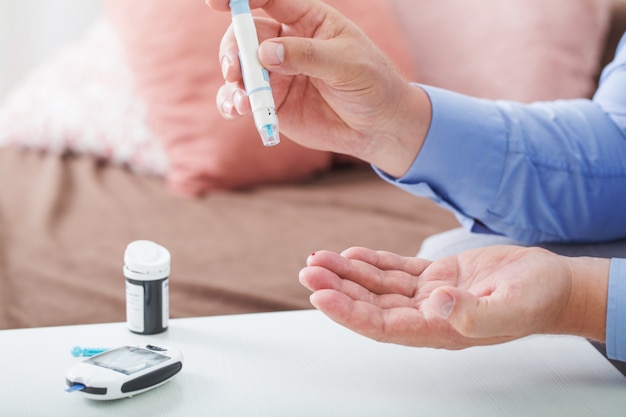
(83, 101)
(524, 50)
(159, 115)
(172, 47)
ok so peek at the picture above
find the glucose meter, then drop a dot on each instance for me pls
(124, 371)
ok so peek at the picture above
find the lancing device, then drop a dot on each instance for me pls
(256, 79)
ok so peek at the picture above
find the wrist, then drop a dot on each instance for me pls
(400, 141)
(585, 314)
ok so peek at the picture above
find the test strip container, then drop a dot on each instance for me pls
(147, 270)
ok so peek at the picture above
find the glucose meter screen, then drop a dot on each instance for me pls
(128, 360)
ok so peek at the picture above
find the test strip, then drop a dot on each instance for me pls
(75, 387)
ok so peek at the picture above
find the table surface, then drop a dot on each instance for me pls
(302, 364)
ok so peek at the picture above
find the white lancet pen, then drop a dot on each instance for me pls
(256, 79)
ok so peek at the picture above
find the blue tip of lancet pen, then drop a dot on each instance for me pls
(269, 134)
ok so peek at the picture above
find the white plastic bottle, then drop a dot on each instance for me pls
(147, 270)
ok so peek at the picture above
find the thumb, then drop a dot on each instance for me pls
(294, 56)
(471, 316)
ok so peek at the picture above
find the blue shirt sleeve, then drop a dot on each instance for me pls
(616, 311)
(542, 172)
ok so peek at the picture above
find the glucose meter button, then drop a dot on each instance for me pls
(151, 379)
(156, 348)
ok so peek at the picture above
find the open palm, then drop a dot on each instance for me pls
(500, 293)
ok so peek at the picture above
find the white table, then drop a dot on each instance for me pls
(302, 364)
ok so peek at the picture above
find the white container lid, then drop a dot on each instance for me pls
(146, 261)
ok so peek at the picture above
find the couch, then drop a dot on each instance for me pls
(66, 217)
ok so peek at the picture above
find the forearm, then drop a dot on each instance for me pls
(543, 172)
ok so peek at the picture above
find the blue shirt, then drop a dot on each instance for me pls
(542, 172)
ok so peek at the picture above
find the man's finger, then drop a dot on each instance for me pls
(365, 275)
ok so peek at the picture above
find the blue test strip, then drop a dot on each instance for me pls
(75, 387)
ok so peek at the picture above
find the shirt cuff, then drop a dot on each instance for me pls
(466, 145)
(616, 311)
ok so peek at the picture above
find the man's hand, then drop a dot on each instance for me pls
(479, 297)
(334, 89)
